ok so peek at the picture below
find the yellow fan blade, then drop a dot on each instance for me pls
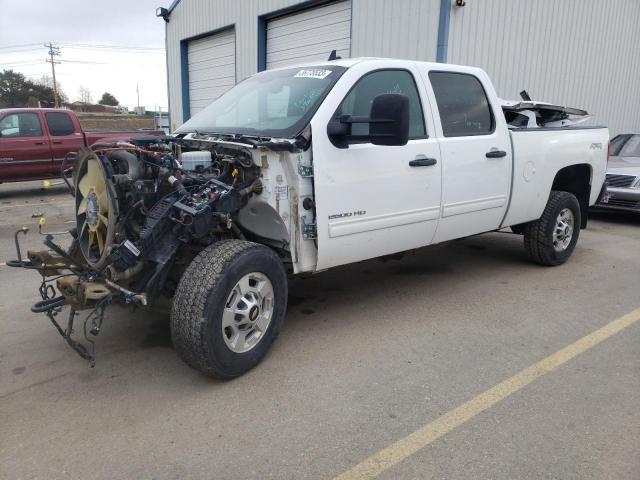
(84, 186)
(82, 208)
(103, 202)
(91, 238)
(103, 219)
(93, 170)
(84, 227)
(100, 241)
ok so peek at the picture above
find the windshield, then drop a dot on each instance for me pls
(277, 103)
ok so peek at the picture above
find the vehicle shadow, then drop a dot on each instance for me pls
(626, 218)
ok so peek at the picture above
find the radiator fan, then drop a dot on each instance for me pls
(95, 209)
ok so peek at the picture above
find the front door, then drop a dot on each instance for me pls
(374, 200)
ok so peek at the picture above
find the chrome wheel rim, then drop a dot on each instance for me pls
(248, 312)
(563, 231)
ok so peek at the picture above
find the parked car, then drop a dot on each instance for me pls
(34, 141)
(304, 168)
(623, 175)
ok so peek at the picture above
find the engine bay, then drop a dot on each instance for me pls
(139, 203)
(146, 208)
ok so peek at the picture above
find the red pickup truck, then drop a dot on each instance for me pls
(34, 141)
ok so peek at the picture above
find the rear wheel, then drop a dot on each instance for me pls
(229, 307)
(551, 239)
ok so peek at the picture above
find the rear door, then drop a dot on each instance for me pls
(370, 201)
(65, 136)
(24, 147)
(476, 154)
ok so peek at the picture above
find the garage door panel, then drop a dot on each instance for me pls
(205, 55)
(337, 22)
(333, 32)
(212, 68)
(211, 74)
(312, 52)
(311, 14)
(309, 35)
(213, 41)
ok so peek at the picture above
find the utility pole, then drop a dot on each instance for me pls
(138, 93)
(53, 52)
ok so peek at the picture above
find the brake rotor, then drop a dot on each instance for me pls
(95, 209)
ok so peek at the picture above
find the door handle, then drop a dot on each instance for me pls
(57, 143)
(423, 162)
(39, 143)
(496, 154)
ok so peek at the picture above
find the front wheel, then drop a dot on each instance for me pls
(229, 307)
(551, 239)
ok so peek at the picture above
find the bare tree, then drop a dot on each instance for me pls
(85, 95)
(45, 81)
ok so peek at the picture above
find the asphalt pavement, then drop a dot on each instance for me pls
(372, 357)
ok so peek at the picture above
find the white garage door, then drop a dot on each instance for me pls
(212, 68)
(309, 35)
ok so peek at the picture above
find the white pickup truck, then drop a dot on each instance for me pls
(308, 167)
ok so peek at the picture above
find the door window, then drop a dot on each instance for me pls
(463, 104)
(21, 125)
(358, 101)
(59, 124)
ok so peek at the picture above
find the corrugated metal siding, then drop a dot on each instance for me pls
(212, 68)
(401, 29)
(583, 54)
(308, 35)
(395, 29)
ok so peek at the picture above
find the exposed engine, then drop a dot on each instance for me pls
(146, 208)
(138, 204)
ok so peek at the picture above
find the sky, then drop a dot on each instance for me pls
(83, 29)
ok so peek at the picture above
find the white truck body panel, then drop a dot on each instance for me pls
(370, 203)
(540, 154)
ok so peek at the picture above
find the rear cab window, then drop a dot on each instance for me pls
(358, 101)
(25, 124)
(463, 104)
(59, 124)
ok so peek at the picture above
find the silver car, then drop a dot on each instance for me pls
(623, 175)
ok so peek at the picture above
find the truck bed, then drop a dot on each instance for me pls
(538, 153)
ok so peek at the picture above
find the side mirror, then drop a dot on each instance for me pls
(388, 123)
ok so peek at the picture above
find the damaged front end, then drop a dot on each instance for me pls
(144, 209)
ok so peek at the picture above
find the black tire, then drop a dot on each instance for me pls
(538, 235)
(196, 315)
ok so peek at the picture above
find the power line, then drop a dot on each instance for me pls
(53, 52)
(7, 47)
(22, 64)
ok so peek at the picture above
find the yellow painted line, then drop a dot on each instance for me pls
(403, 448)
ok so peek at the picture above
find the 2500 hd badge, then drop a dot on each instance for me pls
(347, 214)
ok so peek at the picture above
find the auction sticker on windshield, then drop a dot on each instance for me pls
(313, 73)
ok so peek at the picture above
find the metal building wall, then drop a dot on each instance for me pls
(580, 53)
(392, 28)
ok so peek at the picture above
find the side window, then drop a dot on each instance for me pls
(463, 104)
(358, 101)
(21, 125)
(59, 124)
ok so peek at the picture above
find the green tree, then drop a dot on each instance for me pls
(17, 91)
(108, 99)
